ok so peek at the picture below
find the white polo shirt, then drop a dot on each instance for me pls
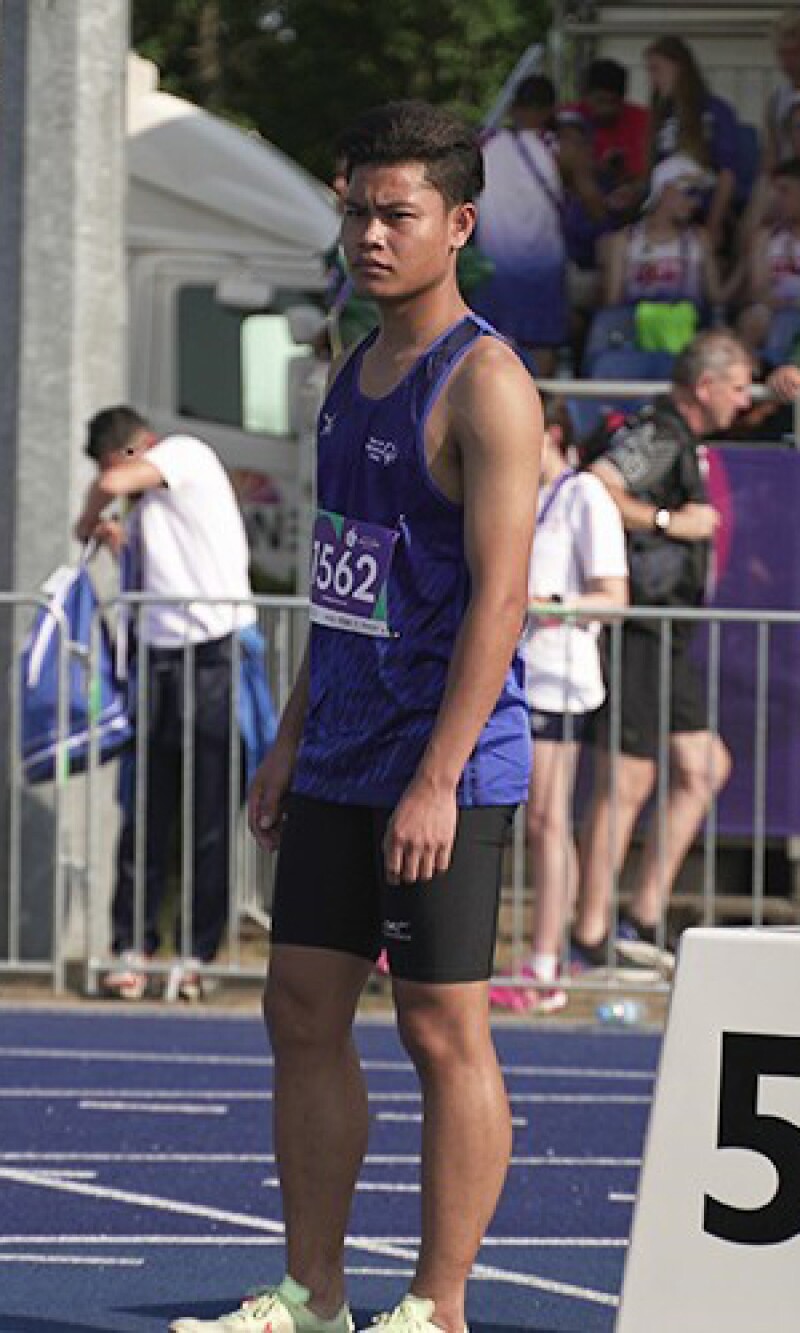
(192, 544)
(580, 538)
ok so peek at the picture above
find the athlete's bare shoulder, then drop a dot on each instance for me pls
(493, 382)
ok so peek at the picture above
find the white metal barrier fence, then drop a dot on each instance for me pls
(247, 896)
(33, 888)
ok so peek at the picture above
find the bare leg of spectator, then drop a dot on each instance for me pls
(554, 867)
(612, 815)
(700, 765)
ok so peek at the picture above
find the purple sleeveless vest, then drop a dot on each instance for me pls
(390, 585)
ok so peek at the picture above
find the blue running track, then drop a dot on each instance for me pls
(137, 1179)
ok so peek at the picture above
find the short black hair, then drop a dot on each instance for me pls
(111, 430)
(789, 169)
(536, 91)
(605, 76)
(416, 131)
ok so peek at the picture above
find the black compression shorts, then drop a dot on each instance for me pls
(331, 892)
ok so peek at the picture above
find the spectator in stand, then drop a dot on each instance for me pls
(579, 560)
(665, 260)
(778, 144)
(520, 227)
(688, 118)
(772, 281)
(619, 131)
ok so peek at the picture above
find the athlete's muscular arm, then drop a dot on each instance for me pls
(494, 415)
(274, 774)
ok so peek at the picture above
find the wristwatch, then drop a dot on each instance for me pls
(662, 520)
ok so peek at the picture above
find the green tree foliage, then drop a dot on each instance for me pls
(299, 70)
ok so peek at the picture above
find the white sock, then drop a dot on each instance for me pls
(545, 966)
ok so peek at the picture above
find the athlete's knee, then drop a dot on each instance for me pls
(438, 1034)
(300, 1012)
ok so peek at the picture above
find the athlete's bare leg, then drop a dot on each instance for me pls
(320, 1109)
(466, 1134)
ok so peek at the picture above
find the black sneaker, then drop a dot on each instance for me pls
(639, 945)
(597, 957)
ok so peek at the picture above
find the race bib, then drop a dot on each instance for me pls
(350, 563)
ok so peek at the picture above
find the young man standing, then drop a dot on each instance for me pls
(403, 748)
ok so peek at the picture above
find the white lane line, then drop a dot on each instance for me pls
(489, 1242)
(268, 1159)
(415, 1118)
(62, 1174)
(150, 1108)
(78, 1260)
(64, 1054)
(528, 1281)
(216, 1239)
(363, 1186)
(261, 1095)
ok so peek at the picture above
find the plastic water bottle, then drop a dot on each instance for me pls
(620, 1013)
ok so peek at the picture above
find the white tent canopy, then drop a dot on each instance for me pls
(197, 183)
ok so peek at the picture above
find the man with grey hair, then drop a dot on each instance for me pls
(654, 470)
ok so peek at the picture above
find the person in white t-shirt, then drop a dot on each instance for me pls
(578, 562)
(185, 539)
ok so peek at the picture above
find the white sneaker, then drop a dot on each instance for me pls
(412, 1315)
(282, 1309)
(124, 981)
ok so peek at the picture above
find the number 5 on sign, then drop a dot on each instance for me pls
(746, 1058)
(715, 1242)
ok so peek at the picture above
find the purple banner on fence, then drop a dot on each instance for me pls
(757, 567)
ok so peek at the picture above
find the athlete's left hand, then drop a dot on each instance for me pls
(419, 837)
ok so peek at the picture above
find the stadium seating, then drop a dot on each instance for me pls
(613, 328)
(784, 331)
(618, 363)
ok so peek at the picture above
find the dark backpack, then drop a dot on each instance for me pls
(661, 570)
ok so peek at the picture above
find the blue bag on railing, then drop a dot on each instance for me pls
(99, 700)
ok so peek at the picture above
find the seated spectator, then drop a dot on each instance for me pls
(665, 258)
(579, 559)
(778, 142)
(772, 280)
(761, 209)
(688, 118)
(619, 133)
(519, 227)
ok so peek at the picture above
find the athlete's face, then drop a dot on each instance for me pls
(724, 395)
(400, 236)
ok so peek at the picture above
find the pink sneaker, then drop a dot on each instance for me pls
(382, 963)
(544, 999)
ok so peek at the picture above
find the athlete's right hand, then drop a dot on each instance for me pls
(267, 794)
